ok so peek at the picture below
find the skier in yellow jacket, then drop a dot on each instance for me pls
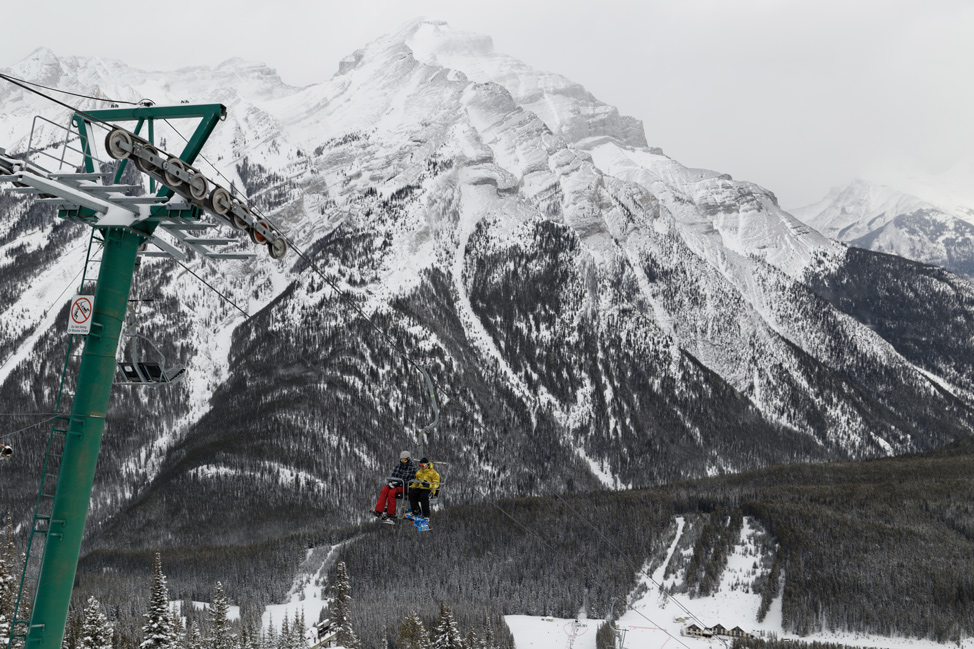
(427, 481)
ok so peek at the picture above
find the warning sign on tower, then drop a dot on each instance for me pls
(79, 317)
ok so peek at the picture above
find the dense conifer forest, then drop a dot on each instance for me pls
(883, 546)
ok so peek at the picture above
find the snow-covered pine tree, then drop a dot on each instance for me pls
(72, 629)
(157, 630)
(297, 635)
(221, 633)
(8, 579)
(250, 637)
(487, 639)
(446, 633)
(96, 632)
(413, 633)
(284, 641)
(176, 630)
(300, 629)
(194, 638)
(6, 597)
(269, 640)
(341, 605)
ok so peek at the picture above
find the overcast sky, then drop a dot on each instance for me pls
(794, 95)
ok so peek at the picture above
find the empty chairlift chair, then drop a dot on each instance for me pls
(145, 372)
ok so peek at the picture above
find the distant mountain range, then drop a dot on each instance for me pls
(880, 218)
(594, 314)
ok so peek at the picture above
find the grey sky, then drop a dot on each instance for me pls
(795, 95)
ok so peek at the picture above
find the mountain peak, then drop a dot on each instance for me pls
(42, 65)
(565, 107)
(430, 39)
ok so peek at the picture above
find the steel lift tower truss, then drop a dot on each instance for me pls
(90, 193)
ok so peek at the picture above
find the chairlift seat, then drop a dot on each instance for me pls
(152, 371)
(131, 374)
(149, 374)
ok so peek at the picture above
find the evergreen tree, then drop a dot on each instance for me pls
(301, 629)
(341, 605)
(413, 633)
(7, 595)
(194, 639)
(270, 638)
(72, 629)
(446, 633)
(221, 634)
(8, 577)
(605, 637)
(284, 641)
(157, 631)
(176, 630)
(250, 636)
(487, 639)
(96, 632)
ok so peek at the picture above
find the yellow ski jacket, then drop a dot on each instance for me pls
(429, 475)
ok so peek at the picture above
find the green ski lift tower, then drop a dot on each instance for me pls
(179, 201)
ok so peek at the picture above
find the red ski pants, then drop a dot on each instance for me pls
(387, 499)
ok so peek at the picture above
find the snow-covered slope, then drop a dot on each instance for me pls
(654, 618)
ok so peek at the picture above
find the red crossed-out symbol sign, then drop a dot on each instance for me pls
(81, 310)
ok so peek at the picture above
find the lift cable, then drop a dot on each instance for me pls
(211, 287)
(544, 539)
(21, 83)
(56, 300)
(35, 425)
(84, 114)
(311, 264)
(26, 414)
(67, 92)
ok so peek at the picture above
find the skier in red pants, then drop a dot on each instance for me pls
(402, 475)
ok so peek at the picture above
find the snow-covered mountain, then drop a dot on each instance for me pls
(593, 312)
(880, 218)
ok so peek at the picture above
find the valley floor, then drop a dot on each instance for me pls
(653, 621)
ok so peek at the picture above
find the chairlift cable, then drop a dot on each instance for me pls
(311, 264)
(68, 92)
(25, 414)
(299, 252)
(84, 114)
(53, 303)
(34, 425)
(211, 287)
